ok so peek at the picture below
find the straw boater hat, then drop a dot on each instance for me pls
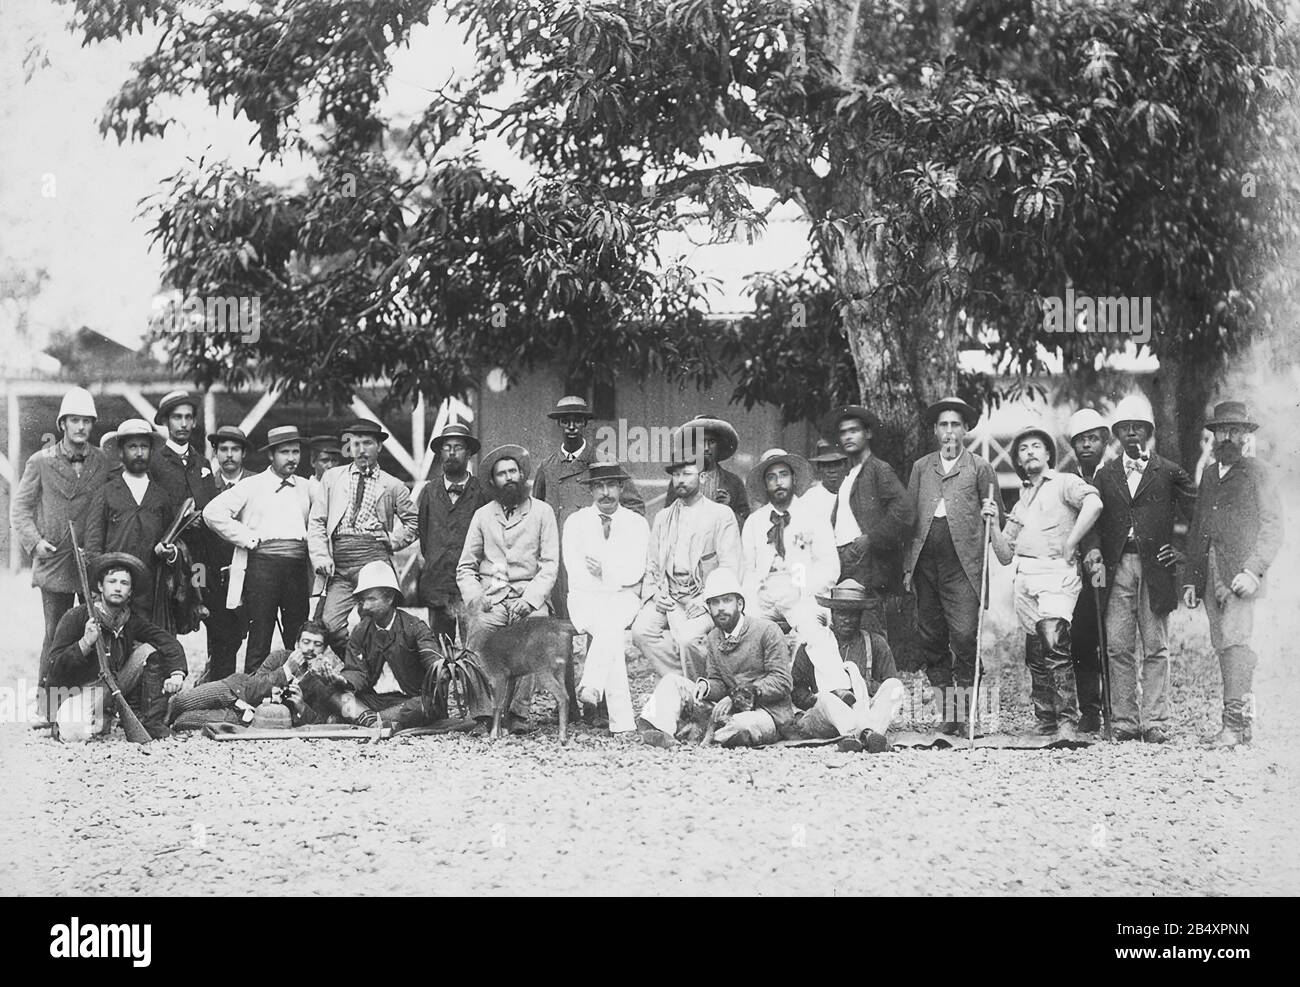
(828, 453)
(830, 423)
(730, 438)
(570, 405)
(377, 575)
(279, 436)
(1086, 420)
(116, 560)
(1025, 433)
(455, 430)
(171, 401)
(1232, 413)
(518, 453)
(756, 486)
(229, 433)
(129, 429)
(604, 471)
(848, 594)
(364, 426)
(721, 582)
(968, 414)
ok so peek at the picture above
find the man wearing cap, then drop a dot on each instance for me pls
(326, 453)
(264, 518)
(226, 625)
(130, 513)
(746, 676)
(149, 663)
(830, 464)
(945, 555)
(1141, 493)
(1043, 534)
(717, 442)
(844, 678)
(788, 550)
(446, 506)
(872, 516)
(691, 537)
(388, 655)
(559, 480)
(57, 486)
(1236, 532)
(361, 514)
(178, 467)
(1089, 436)
(604, 548)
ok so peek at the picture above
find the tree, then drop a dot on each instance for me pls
(957, 163)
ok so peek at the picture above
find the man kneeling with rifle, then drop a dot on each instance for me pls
(147, 662)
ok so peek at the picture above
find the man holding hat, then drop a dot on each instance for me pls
(872, 516)
(691, 537)
(559, 480)
(264, 518)
(149, 663)
(604, 547)
(57, 485)
(830, 464)
(361, 514)
(446, 506)
(1089, 436)
(1141, 494)
(1235, 536)
(746, 677)
(945, 556)
(716, 442)
(130, 513)
(1043, 534)
(788, 551)
(226, 625)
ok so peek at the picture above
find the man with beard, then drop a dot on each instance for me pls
(1235, 535)
(690, 538)
(149, 663)
(945, 556)
(746, 678)
(830, 465)
(1089, 437)
(227, 624)
(1141, 494)
(604, 547)
(559, 480)
(788, 550)
(265, 519)
(361, 514)
(1043, 534)
(872, 516)
(446, 507)
(718, 442)
(57, 486)
(130, 513)
(512, 552)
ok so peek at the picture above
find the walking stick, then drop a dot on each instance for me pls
(1103, 653)
(979, 626)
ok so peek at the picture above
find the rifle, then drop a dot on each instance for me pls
(135, 731)
(1098, 581)
(979, 626)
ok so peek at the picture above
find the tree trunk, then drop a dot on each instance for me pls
(1182, 393)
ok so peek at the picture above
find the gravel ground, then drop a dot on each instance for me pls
(461, 815)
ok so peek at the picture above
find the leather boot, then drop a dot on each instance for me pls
(1055, 636)
(943, 706)
(1040, 686)
(1235, 727)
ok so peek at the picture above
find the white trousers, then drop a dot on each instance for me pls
(606, 617)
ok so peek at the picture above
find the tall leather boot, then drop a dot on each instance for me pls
(1236, 726)
(1040, 686)
(1055, 636)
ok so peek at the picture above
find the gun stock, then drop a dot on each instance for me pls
(135, 731)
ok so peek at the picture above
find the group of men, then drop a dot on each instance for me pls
(761, 603)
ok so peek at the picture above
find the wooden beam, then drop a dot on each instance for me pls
(258, 411)
(7, 471)
(391, 444)
(139, 402)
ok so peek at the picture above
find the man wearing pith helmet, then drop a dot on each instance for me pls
(56, 487)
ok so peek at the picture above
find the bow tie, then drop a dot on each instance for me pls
(1134, 465)
(776, 533)
(286, 482)
(456, 489)
(507, 511)
(77, 459)
(729, 644)
(605, 522)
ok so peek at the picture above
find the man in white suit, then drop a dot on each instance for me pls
(604, 551)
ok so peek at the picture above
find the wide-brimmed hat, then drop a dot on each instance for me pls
(757, 488)
(509, 451)
(115, 560)
(952, 403)
(1086, 420)
(828, 452)
(280, 435)
(1232, 413)
(377, 575)
(170, 401)
(848, 594)
(720, 582)
(570, 404)
(830, 423)
(597, 472)
(1025, 433)
(364, 426)
(326, 443)
(229, 433)
(1133, 408)
(730, 438)
(455, 430)
(129, 429)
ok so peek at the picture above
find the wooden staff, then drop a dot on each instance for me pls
(979, 627)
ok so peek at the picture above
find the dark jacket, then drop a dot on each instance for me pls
(408, 647)
(759, 657)
(1240, 517)
(1166, 489)
(735, 488)
(442, 529)
(885, 515)
(115, 523)
(559, 484)
(180, 480)
(963, 491)
(875, 666)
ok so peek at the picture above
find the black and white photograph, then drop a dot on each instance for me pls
(651, 448)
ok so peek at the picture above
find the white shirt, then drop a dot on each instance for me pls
(811, 563)
(180, 450)
(622, 556)
(819, 501)
(136, 484)
(1133, 478)
(1223, 469)
(941, 509)
(387, 681)
(569, 457)
(846, 525)
(261, 507)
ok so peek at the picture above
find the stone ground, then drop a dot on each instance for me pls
(463, 815)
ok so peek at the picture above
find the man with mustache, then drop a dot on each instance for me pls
(604, 548)
(831, 465)
(227, 625)
(1141, 494)
(717, 441)
(1235, 535)
(512, 552)
(1043, 534)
